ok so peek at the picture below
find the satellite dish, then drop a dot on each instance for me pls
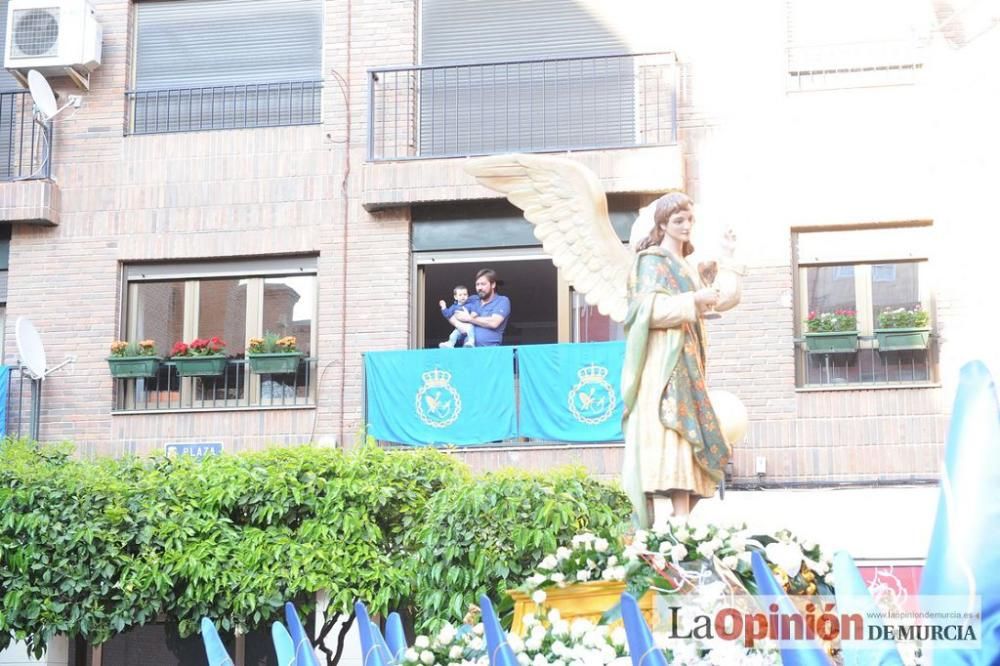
(42, 93)
(29, 347)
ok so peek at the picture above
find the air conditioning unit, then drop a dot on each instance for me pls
(56, 37)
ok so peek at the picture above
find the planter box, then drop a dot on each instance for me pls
(588, 601)
(123, 367)
(274, 364)
(841, 342)
(902, 339)
(200, 366)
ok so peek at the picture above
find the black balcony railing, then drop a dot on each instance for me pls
(25, 144)
(868, 366)
(236, 387)
(224, 107)
(527, 106)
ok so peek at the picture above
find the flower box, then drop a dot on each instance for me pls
(278, 363)
(199, 366)
(838, 342)
(124, 367)
(902, 339)
(588, 601)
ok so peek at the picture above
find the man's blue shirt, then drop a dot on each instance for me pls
(491, 337)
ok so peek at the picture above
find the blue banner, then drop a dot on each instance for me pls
(4, 393)
(441, 396)
(571, 392)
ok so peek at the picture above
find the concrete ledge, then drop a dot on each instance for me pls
(387, 184)
(29, 202)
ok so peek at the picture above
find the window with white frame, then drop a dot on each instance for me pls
(223, 64)
(855, 43)
(866, 313)
(234, 301)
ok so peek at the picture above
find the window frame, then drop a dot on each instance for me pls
(191, 274)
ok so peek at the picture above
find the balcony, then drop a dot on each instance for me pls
(237, 387)
(867, 367)
(421, 118)
(27, 194)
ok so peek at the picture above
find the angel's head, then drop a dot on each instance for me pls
(672, 219)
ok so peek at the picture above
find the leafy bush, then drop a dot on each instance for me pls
(488, 530)
(903, 318)
(96, 547)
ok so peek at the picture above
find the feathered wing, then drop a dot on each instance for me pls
(567, 206)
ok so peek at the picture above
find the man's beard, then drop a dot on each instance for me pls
(483, 293)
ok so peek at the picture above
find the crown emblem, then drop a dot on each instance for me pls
(436, 377)
(592, 372)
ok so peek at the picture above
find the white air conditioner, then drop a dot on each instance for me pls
(56, 37)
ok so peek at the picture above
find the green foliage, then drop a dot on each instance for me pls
(97, 547)
(486, 532)
(903, 318)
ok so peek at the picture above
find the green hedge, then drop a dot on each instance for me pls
(94, 548)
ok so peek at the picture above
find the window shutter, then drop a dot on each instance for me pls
(188, 43)
(7, 82)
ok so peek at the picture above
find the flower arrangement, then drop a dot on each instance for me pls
(915, 317)
(213, 346)
(832, 322)
(590, 558)
(271, 343)
(122, 349)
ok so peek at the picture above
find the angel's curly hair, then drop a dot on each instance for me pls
(666, 206)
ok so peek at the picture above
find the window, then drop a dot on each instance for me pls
(854, 43)
(223, 64)
(839, 271)
(235, 301)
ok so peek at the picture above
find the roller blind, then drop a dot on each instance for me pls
(190, 43)
(527, 106)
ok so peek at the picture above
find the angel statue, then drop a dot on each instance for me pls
(677, 442)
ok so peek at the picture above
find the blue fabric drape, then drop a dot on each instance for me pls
(441, 396)
(571, 392)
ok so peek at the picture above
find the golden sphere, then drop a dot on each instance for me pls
(732, 415)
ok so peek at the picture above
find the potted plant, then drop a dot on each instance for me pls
(202, 357)
(903, 329)
(832, 332)
(133, 359)
(273, 355)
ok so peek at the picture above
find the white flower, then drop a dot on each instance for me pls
(705, 550)
(427, 658)
(659, 562)
(562, 553)
(808, 545)
(523, 659)
(601, 545)
(422, 643)
(476, 644)
(618, 573)
(613, 560)
(738, 543)
(583, 575)
(682, 534)
(678, 553)
(580, 627)
(700, 533)
(665, 546)
(618, 636)
(558, 648)
(548, 563)
(722, 534)
(411, 655)
(478, 629)
(557, 577)
(533, 644)
(554, 615)
(539, 597)
(446, 635)
(540, 660)
(529, 621)
(535, 580)
(641, 536)
(730, 561)
(788, 556)
(455, 652)
(560, 628)
(716, 543)
(582, 539)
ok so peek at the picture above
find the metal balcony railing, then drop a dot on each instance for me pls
(868, 366)
(236, 387)
(528, 106)
(237, 106)
(25, 144)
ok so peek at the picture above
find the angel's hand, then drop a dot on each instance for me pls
(728, 242)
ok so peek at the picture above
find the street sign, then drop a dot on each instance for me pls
(196, 449)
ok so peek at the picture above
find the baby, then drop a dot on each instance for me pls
(463, 334)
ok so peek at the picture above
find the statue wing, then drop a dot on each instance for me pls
(566, 204)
